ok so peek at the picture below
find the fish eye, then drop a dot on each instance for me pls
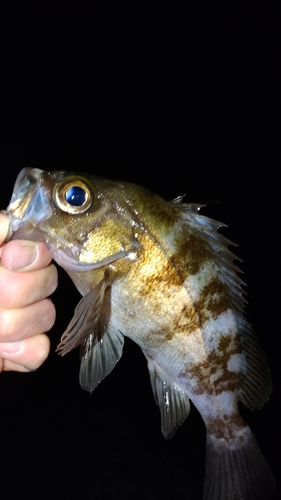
(73, 196)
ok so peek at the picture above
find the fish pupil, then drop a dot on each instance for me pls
(75, 196)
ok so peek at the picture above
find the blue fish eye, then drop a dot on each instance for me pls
(75, 196)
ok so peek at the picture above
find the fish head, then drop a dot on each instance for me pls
(83, 220)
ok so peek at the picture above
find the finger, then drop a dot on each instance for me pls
(19, 324)
(30, 355)
(18, 290)
(21, 255)
(4, 226)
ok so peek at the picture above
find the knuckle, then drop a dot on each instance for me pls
(52, 279)
(48, 316)
(42, 352)
(10, 290)
(7, 324)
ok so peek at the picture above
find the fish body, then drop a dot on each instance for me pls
(159, 273)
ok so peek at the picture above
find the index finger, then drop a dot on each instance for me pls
(4, 227)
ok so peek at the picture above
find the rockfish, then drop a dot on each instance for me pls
(159, 273)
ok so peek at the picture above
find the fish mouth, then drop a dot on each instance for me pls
(29, 204)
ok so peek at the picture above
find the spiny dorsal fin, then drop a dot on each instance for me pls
(207, 230)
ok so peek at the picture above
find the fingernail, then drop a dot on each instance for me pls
(25, 256)
(10, 347)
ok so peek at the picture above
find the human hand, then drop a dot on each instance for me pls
(26, 280)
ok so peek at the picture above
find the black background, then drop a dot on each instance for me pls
(181, 97)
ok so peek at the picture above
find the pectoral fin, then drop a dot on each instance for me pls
(99, 354)
(85, 318)
(101, 343)
(173, 402)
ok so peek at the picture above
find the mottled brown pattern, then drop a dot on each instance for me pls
(226, 426)
(159, 214)
(149, 211)
(195, 315)
(216, 298)
(183, 323)
(204, 373)
(159, 271)
(209, 305)
(224, 343)
(191, 253)
(187, 321)
(164, 280)
(160, 336)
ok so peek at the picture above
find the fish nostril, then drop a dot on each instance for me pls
(25, 182)
(32, 174)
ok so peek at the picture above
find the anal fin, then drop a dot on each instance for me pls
(173, 402)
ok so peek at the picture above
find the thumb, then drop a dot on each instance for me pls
(4, 227)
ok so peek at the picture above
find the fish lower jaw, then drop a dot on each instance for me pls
(71, 262)
(67, 261)
(19, 230)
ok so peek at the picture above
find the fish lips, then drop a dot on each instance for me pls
(29, 204)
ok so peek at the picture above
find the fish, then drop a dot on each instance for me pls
(159, 273)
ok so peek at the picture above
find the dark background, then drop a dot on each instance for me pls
(181, 97)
